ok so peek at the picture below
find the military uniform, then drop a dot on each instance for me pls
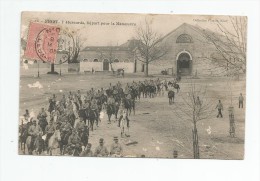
(116, 149)
(50, 129)
(80, 127)
(74, 143)
(34, 131)
(86, 153)
(101, 151)
(42, 120)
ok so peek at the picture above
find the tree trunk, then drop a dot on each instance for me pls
(146, 69)
(195, 142)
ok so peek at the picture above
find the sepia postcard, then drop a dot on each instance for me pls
(132, 85)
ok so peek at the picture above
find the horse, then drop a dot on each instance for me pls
(54, 141)
(37, 146)
(129, 104)
(91, 117)
(23, 131)
(110, 111)
(171, 95)
(84, 136)
(64, 141)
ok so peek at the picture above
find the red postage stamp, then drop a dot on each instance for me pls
(42, 42)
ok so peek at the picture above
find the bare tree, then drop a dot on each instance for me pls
(195, 105)
(150, 47)
(231, 45)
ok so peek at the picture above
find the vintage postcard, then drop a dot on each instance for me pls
(132, 85)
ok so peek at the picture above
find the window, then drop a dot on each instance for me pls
(95, 60)
(184, 38)
(26, 61)
(116, 60)
(85, 60)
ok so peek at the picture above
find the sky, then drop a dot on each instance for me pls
(98, 30)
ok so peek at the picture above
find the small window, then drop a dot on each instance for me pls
(184, 38)
(126, 60)
(85, 60)
(116, 60)
(35, 61)
(26, 61)
(95, 60)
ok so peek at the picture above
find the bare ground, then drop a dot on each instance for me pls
(155, 128)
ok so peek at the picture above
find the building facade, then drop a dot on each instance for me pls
(189, 54)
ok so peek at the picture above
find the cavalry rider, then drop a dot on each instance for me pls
(50, 129)
(116, 148)
(78, 95)
(86, 103)
(26, 116)
(101, 150)
(34, 131)
(80, 126)
(94, 107)
(42, 119)
(102, 91)
(65, 128)
(118, 84)
(70, 95)
(74, 141)
(127, 88)
(111, 102)
(63, 101)
(52, 102)
(55, 113)
(110, 86)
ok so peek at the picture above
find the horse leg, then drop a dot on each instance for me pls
(92, 124)
(109, 117)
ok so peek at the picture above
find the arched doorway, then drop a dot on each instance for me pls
(184, 63)
(105, 65)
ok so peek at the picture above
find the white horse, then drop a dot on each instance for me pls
(54, 140)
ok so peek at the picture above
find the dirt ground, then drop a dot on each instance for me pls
(155, 127)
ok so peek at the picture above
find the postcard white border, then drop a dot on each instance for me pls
(14, 167)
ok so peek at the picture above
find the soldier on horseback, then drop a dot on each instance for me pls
(50, 129)
(74, 143)
(94, 107)
(80, 126)
(111, 102)
(34, 131)
(42, 119)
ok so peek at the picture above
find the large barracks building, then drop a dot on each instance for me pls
(189, 54)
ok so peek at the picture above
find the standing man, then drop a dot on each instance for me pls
(220, 108)
(101, 150)
(116, 149)
(241, 101)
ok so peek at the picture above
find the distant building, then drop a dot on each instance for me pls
(189, 54)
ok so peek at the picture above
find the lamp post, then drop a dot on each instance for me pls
(60, 67)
